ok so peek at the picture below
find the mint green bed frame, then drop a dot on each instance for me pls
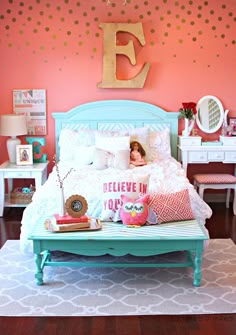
(117, 114)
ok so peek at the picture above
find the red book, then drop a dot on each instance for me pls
(69, 219)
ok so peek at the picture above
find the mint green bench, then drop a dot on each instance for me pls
(117, 240)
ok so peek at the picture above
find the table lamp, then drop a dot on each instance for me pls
(12, 125)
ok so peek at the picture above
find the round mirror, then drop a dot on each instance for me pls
(210, 114)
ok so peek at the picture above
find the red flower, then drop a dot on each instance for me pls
(190, 105)
(188, 111)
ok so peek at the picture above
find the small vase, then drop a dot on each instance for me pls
(62, 210)
(188, 126)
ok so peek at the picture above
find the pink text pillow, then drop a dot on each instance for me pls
(171, 206)
(115, 185)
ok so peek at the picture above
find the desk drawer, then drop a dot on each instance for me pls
(17, 174)
(230, 157)
(215, 156)
(198, 157)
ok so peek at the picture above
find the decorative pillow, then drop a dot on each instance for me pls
(104, 159)
(139, 134)
(70, 140)
(84, 155)
(159, 143)
(113, 144)
(134, 212)
(114, 186)
(171, 206)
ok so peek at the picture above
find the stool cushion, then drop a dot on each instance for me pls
(215, 178)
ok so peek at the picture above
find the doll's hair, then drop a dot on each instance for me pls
(140, 148)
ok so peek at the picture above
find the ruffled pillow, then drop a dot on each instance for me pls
(118, 160)
(159, 143)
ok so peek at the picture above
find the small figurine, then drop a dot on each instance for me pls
(137, 154)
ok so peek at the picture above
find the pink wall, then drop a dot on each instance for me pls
(57, 45)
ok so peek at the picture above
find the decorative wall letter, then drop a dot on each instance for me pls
(111, 50)
(37, 143)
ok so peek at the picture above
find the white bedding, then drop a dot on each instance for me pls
(166, 176)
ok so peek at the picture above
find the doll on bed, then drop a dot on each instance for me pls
(137, 154)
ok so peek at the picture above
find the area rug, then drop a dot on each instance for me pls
(74, 291)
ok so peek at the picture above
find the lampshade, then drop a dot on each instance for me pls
(12, 125)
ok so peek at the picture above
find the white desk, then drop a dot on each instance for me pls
(9, 171)
(204, 154)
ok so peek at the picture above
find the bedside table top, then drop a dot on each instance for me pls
(14, 167)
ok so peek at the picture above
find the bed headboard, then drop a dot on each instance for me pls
(117, 114)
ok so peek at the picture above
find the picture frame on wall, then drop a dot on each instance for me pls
(24, 154)
(32, 104)
(232, 124)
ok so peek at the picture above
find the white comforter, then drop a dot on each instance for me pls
(166, 176)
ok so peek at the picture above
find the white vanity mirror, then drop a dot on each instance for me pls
(210, 114)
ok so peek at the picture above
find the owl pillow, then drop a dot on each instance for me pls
(134, 213)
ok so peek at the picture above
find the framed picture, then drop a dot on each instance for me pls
(32, 104)
(24, 154)
(232, 124)
(76, 206)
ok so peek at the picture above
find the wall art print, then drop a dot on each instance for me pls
(32, 104)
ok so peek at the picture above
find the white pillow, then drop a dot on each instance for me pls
(67, 143)
(159, 143)
(104, 159)
(114, 186)
(139, 134)
(113, 144)
(77, 145)
(84, 155)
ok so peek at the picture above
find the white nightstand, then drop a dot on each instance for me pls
(9, 171)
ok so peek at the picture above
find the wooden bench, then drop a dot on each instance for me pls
(116, 239)
(216, 181)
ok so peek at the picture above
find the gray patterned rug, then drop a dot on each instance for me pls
(73, 291)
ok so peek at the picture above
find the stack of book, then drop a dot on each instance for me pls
(67, 223)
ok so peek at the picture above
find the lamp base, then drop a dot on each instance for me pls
(11, 148)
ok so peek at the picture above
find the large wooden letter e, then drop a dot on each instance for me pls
(111, 49)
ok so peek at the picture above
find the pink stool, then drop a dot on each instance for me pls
(218, 182)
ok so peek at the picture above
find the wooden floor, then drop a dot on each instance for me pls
(221, 225)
